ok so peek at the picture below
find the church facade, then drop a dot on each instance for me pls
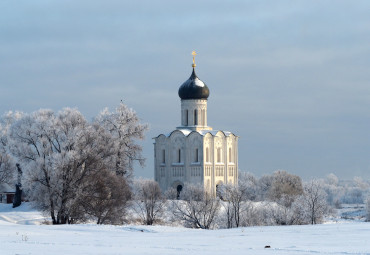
(194, 152)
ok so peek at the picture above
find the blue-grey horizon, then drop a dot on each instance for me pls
(289, 77)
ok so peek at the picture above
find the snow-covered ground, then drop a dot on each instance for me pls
(20, 234)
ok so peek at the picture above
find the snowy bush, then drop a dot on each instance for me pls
(255, 215)
(148, 201)
(196, 208)
(278, 214)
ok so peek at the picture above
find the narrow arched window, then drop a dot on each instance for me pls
(230, 156)
(196, 155)
(203, 118)
(186, 117)
(218, 155)
(179, 156)
(207, 155)
(163, 156)
(195, 117)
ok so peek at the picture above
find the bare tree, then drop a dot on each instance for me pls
(312, 204)
(149, 201)
(234, 197)
(197, 208)
(228, 214)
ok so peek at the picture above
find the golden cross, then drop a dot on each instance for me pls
(194, 54)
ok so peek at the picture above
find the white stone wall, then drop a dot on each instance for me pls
(221, 166)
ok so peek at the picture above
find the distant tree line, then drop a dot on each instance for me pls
(278, 199)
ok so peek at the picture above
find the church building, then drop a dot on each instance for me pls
(194, 152)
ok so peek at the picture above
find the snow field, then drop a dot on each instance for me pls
(345, 238)
(25, 238)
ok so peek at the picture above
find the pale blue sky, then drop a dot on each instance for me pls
(291, 78)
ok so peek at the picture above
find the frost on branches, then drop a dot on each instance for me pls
(7, 164)
(312, 205)
(68, 161)
(196, 207)
(124, 127)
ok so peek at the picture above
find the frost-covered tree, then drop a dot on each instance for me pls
(60, 152)
(249, 184)
(125, 128)
(7, 162)
(105, 198)
(227, 214)
(235, 204)
(263, 186)
(332, 179)
(285, 188)
(7, 168)
(333, 190)
(148, 200)
(360, 183)
(312, 204)
(196, 207)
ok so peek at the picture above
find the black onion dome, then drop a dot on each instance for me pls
(193, 88)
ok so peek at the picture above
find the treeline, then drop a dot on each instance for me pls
(277, 199)
(81, 171)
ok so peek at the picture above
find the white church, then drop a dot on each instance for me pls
(194, 152)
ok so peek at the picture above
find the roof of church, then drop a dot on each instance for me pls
(193, 88)
(187, 132)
